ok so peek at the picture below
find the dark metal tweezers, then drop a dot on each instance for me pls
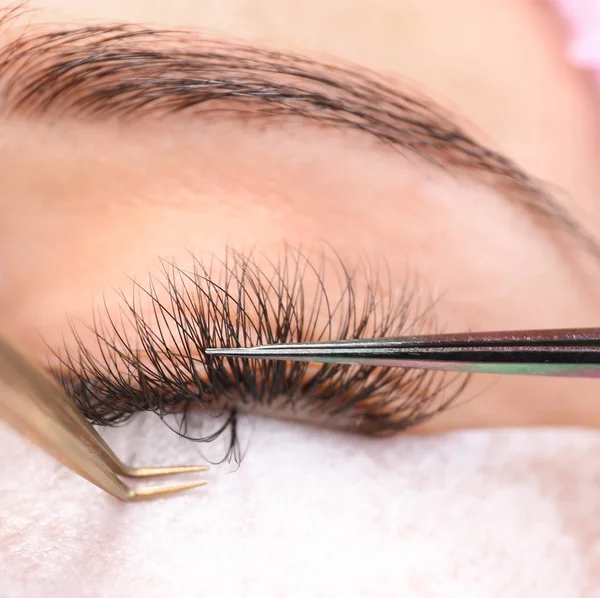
(562, 352)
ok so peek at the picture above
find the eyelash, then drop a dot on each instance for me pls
(155, 361)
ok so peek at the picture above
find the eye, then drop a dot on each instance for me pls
(150, 144)
(150, 356)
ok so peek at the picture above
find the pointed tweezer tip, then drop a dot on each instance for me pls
(147, 472)
(318, 352)
(150, 492)
(284, 351)
(230, 351)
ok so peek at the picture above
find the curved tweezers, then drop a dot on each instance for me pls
(32, 404)
(560, 352)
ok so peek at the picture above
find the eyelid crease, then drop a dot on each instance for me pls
(153, 359)
(127, 71)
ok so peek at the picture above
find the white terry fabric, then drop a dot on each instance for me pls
(312, 513)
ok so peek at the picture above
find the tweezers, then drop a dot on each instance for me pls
(561, 352)
(36, 407)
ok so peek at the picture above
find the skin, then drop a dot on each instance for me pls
(165, 191)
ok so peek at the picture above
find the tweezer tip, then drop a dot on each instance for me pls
(230, 351)
(285, 351)
(147, 472)
(150, 492)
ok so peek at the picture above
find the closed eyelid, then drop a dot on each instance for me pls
(149, 355)
(132, 72)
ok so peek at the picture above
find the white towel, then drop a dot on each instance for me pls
(313, 513)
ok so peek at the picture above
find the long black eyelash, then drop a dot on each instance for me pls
(152, 358)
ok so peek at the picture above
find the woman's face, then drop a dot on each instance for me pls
(462, 158)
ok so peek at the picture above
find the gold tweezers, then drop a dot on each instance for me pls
(35, 406)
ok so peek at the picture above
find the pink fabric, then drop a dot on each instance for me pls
(583, 18)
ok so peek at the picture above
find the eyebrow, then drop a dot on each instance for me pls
(131, 72)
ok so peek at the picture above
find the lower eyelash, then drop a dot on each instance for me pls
(152, 359)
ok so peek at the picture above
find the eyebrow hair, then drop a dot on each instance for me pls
(130, 72)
